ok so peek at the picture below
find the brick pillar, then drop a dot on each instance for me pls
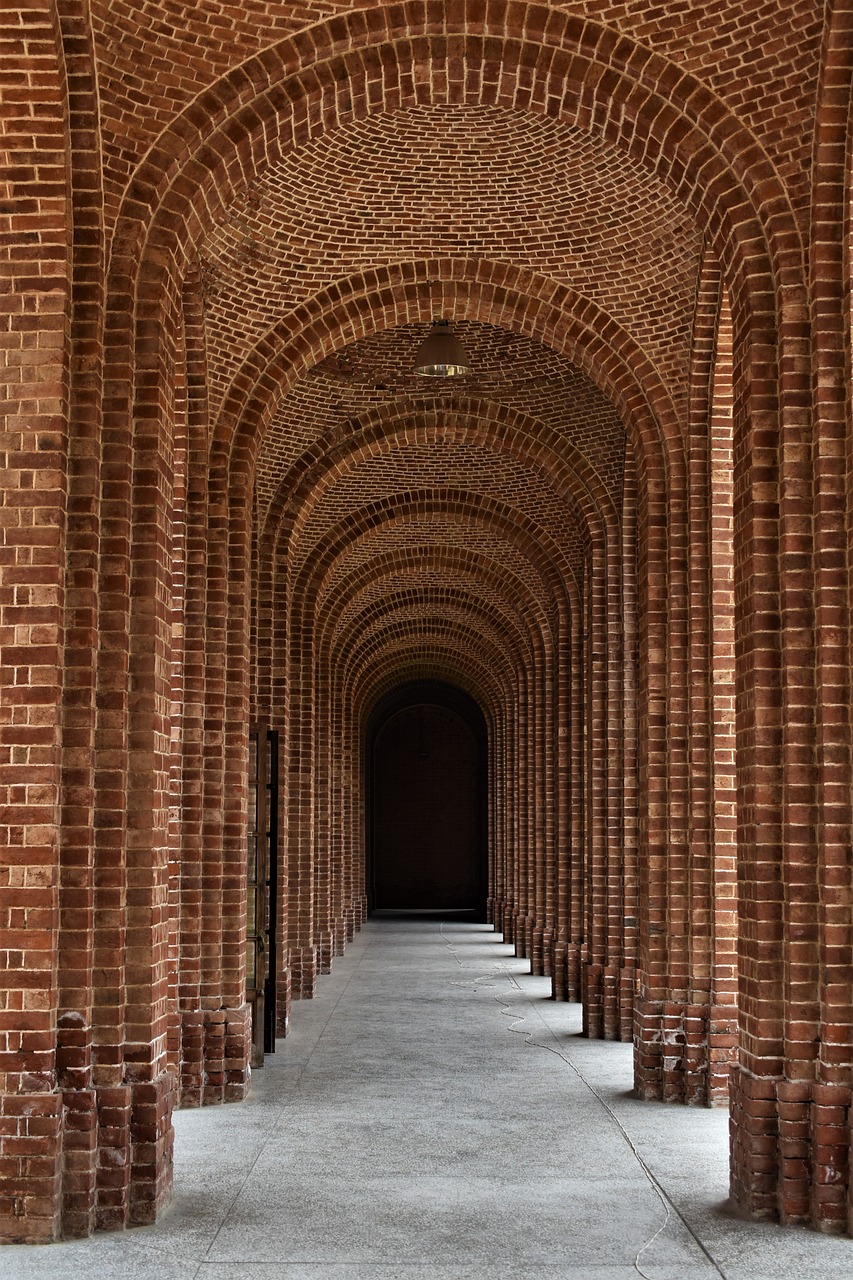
(34, 388)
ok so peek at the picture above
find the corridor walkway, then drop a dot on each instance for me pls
(433, 1116)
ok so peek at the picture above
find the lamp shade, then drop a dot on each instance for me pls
(441, 354)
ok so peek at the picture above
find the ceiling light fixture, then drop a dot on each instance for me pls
(441, 354)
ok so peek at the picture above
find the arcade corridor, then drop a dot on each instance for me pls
(407, 1131)
(426, 481)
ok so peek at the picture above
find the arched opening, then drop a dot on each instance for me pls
(427, 761)
(243, 507)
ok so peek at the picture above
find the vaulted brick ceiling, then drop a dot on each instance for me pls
(402, 209)
(460, 184)
(454, 182)
(759, 56)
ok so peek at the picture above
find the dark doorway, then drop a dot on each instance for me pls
(427, 749)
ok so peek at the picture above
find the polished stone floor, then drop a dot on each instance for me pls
(433, 1116)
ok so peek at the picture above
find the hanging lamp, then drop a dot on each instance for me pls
(441, 354)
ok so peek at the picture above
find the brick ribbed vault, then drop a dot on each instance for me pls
(229, 499)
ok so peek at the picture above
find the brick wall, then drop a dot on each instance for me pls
(227, 497)
(36, 271)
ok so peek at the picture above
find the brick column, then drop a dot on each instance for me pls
(34, 376)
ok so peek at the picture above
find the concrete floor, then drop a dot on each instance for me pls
(433, 1116)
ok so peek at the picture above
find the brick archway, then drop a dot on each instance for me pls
(228, 498)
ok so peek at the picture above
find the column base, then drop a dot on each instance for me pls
(325, 951)
(537, 950)
(607, 995)
(303, 970)
(501, 918)
(152, 1148)
(683, 1052)
(216, 1046)
(86, 1160)
(31, 1132)
(79, 1163)
(523, 928)
(791, 1152)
